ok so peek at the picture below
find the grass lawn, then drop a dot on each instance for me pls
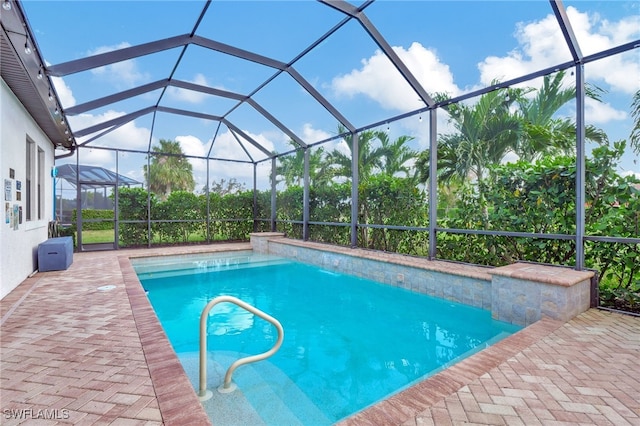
(106, 236)
(102, 236)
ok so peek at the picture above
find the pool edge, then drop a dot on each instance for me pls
(409, 403)
(177, 399)
(179, 403)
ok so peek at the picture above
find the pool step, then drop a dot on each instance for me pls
(262, 387)
(175, 266)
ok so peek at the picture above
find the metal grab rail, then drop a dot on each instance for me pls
(226, 387)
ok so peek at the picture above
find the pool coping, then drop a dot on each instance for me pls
(408, 403)
(179, 403)
(478, 272)
(177, 400)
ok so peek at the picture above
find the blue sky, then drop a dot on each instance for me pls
(450, 46)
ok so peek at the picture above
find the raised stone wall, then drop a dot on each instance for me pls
(526, 292)
(520, 294)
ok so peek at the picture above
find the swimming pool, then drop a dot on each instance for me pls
(349, 342)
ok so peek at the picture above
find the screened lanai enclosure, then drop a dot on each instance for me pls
(479, 132)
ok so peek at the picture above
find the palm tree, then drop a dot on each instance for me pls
(489, 129)
(446, 169)
(291, 167)
(396, 154)
(542, 132)
(376, 154)
(369, 159)
(169, 170)
(635, 132)
(486, 132)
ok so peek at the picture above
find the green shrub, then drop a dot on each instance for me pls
(132, 206)
(183, 207)
(105, 218)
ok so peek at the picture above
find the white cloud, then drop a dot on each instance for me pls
(122, 74)
(601, 112)
(190, 96)
(135, 174)
(380, 80)
(64, 92)
(616, 72)
(128, 135)
(97, 157)
(226, 146)
(542, 45)
(631, 173)
(311, 135)
(191, 145)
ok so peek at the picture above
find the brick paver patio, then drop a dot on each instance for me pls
(76, 352)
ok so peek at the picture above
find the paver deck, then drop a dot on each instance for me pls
(74, 352)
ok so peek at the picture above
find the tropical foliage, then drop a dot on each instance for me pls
(290, 169)
(635, 132)
(169, 170)
(133, 207)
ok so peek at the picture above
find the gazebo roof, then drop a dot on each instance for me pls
(93, 177)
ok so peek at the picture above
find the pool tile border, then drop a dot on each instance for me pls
(177, 399)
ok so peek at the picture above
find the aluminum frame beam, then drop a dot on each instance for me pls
(132, 52)
(567, 31)
(433, 182)
(114, 122)
(129, 117)
(248, 138)
(305, 197)
(188, 113)
(572, 43)
(321, 99)
(238, 53)
(355, 183)
(126, 94)
(580, 167)
(116, 97)
(276, 122)
(382, 43)
(107, 58)
(235, 136)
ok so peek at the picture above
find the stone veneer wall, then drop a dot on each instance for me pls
(521, 293)
(528, 292)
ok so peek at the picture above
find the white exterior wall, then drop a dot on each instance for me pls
(19, 248)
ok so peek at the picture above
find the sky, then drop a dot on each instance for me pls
(450, 46)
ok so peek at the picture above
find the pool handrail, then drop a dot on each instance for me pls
(227, 384)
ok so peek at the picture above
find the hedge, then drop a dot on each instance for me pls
(106, 217)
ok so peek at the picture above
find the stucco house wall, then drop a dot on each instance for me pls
(19, 247)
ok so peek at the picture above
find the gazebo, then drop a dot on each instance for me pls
(84, 178)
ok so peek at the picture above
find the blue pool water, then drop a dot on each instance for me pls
(349, 342)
